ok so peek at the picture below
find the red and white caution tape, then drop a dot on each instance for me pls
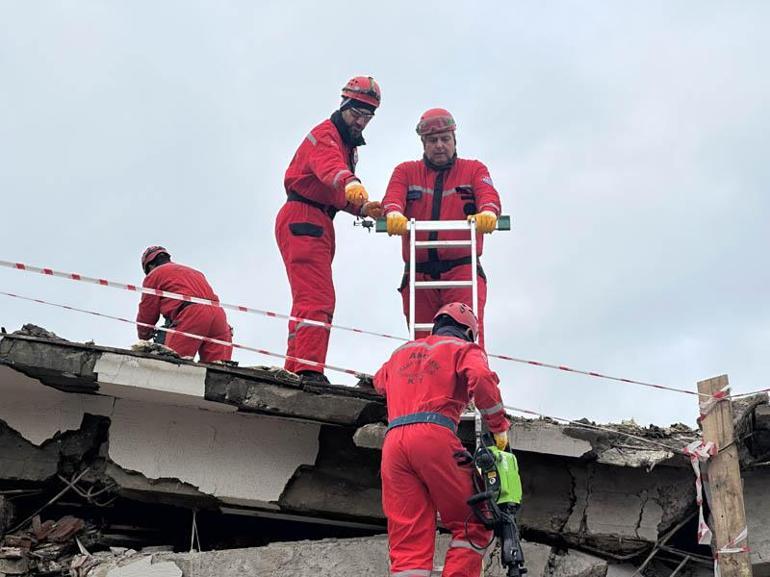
(597, 375)
(190, 335)
(698, 451)
(171, 295)
(708, 404)
(272, 314)
(731, 549)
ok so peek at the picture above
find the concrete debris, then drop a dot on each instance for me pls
(31, 330)
(142, 568)
(43, 547)
(362, 557)
(370, 436)
(577, 564)
(120, 562)
(153, 348)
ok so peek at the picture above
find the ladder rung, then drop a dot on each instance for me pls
(440, 243)
(423, 327)
(442, 284)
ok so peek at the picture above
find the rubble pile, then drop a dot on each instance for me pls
(45, 547)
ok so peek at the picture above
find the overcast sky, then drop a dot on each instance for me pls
(629, 143)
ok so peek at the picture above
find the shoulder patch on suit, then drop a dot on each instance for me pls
(488, 180)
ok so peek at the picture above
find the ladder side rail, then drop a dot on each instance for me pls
(412, 279)
(474, 269)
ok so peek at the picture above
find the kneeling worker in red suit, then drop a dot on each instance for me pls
(427, 384)
(197, 319)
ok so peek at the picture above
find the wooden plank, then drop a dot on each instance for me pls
(724, 478)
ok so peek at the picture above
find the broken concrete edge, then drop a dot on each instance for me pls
(273, 374)
(547, 437)
(73, 367)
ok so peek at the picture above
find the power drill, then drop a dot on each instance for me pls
(498, 499)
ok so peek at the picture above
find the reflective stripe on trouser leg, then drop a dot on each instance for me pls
(412, 573)
(460, 544)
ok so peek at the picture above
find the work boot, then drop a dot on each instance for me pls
(313, 378)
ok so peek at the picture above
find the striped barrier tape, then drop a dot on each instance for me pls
(190, 335)
(245, 309)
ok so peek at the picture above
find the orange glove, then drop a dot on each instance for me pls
(486, 221)
(396, 223)
(372, 209)
(501, 440)
(355, 193)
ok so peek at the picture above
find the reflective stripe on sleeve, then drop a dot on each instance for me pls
(491, 410)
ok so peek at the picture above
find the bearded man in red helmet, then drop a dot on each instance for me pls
(427, 383)
(319, 182)
(441, 186)
(184, 316)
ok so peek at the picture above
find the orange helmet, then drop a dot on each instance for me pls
(462, 315)
(434, 121)
(150, 254)
(364, 89)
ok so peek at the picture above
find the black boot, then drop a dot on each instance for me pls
(313, 378)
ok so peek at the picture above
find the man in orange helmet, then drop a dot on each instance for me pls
(427, 383)
(319, 182)
(441, 186)
(184, 316)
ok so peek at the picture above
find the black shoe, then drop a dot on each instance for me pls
(313, 378)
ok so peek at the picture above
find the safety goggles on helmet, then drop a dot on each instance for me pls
(434, 121)
(364, 89)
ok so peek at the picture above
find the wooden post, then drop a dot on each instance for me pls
(724, 478)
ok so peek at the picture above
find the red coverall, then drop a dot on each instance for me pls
(420, 469)
(203, 320)
(420, 192)
(315, 186)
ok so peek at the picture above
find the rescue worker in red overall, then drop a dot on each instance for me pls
(197, 319)
(427, 383)
(319, 182)
(441, 186)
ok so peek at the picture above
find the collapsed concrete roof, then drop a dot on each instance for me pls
(259, 441)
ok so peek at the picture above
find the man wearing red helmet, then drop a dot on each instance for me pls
(184, 316)
(319, 182)
(427, 383)
(441, 186)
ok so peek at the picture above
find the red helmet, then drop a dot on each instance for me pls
(434, 121)
(364, 89)
(461, 314)
(150, 254)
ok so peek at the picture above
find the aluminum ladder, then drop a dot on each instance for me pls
(414, 226)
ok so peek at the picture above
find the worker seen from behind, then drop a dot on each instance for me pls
(319, 182)
(441, 186)
(427, 383)
(185, 316)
